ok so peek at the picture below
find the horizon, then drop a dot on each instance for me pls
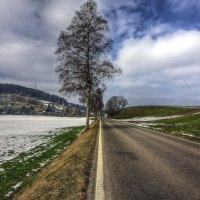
(155, 43)
(136, 100)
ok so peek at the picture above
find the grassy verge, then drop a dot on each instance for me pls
(145, 111)
(187, 126)
(21, 170)
(67, 176)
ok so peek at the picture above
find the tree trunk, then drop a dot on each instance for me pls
(98, 115)
(88, 112)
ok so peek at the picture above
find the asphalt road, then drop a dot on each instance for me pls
(140, 164)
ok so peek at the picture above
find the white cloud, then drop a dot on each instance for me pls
(160, 29)
(184, 5)
(115, 4)
(168, 66)
(169, 51)
(58, 14)
(29, 31)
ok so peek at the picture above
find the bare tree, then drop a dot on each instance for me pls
(115, 104)
(83, 54)
(96, 100)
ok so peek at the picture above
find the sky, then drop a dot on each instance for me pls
(155, 42)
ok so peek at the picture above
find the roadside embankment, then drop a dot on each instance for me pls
(67, 176)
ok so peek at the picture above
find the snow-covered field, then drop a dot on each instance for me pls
(22, 133)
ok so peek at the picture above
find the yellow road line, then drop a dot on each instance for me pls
(99, 189)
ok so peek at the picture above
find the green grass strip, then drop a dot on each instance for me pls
(189, 124)
(145, 111)
(22, 169)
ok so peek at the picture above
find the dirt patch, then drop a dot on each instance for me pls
(67, 176)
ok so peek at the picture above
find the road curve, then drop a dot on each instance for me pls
(143, 165)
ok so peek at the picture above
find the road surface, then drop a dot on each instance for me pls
(140, 164)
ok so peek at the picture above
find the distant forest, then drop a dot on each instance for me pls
(34, 93)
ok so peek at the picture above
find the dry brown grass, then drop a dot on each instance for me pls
(67, 176)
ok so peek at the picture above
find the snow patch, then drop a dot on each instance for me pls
(150, 118)
(17, 185)
(28, 174)
(14, 187)
(2, 170)
(8, 194)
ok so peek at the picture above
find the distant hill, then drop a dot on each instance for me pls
(16, 99)
(145, 111)
(34, 93)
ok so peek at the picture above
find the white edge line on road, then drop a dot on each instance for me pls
(164, 134)
(99, 188)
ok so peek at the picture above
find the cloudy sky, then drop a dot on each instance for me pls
(156, 43)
